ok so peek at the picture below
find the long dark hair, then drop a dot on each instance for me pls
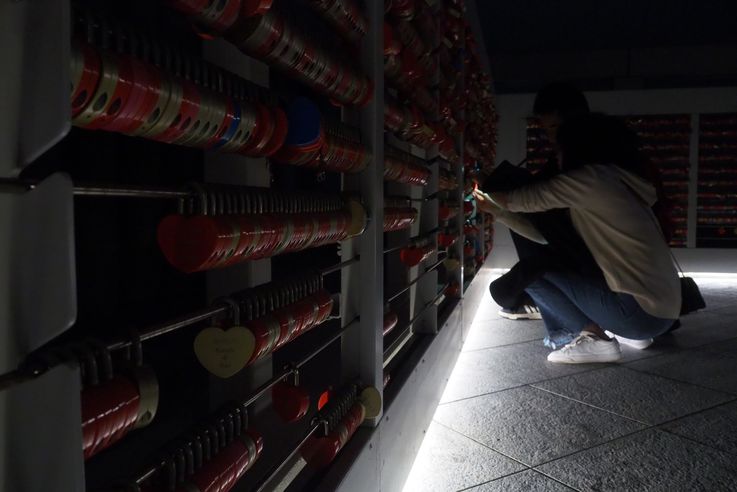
(601, 139)
(597, 138)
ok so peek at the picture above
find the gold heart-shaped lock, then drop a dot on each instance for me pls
(224, 352)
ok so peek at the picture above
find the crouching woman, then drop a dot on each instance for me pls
(609, 201)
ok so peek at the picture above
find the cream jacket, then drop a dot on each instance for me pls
(610, 209)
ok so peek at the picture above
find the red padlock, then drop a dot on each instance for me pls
(445, 213)
(453, 290)
(86, 72)
(111, 95)
(262, 134)
(322, 451)
(256, 35)
(113, 408)
(213, 107)
(344, 16)
(168, 108)
(248, 236)
(141, 98)
(290, 402)
(399, 218)
(222, 471)
(228, 122)
(149, 109)
(285, 324)
(246, 128)
(413, 256)
(446, 240)
(279, 135)
(390, 322)
(196, 243)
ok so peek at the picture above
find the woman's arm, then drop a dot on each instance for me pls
(569, 190)
(517, 222)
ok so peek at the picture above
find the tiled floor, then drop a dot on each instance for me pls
(664, 418)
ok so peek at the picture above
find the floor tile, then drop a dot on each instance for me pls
(718, 294)
(531, 425)
(487, 310)
(484, 371)
(723, 346)
(713, 367)
(528, 480)
(455, 462)
(630, 354)
(702, 328)
(488, 315)
(716, 427)
(651, 460)
(493, 333)
(636, 395)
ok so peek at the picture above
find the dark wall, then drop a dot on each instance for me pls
(627, 44)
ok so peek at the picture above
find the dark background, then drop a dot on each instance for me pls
(603, 45)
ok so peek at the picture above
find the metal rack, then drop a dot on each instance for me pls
(365, 269)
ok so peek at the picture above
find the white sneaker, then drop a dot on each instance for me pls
(522, 312)
(630, 342)
(586, 348)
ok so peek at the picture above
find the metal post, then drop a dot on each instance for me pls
(461, 184)
(429, 226)
(693, 182)
(363, 284)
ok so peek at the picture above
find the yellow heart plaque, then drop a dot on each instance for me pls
(224, 352)
(370, 398)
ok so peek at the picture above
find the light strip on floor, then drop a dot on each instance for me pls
(714, 275)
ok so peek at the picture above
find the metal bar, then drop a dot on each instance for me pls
(329, 341)
(11, 185)
(169, 326)
(249, 400)
(406, 333)
(413, 239)
(22, 185)
(410, 199)
(276, 469)
(291, 369)
(407, 287)
(393, 349)
(397, 248)
(129, 191)
(149, 473)
(18, 376)
(339, 266)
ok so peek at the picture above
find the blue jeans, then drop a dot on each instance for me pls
(569, 301)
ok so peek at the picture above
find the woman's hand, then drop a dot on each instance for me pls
(488, 204)
(483, 202)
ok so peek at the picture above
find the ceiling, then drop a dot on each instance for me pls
(610, 44)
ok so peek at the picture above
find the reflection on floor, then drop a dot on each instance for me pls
(664, 418)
